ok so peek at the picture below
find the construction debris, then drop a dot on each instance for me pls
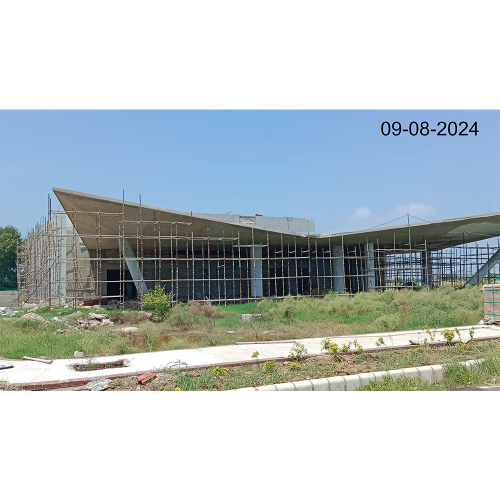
(4, 367)
(6, 311)
(48, 361)
(98, 385)
(146, 377)
(127, 330)
(35, 317)
(89, 324)
(251, 317)
(99, 317)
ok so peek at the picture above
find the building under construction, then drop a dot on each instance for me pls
(100, 249)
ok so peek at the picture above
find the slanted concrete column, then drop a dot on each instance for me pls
(338, 269)
(256, 271)
(133, 267)
(485, 269)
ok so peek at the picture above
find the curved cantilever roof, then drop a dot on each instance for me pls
(91, 212)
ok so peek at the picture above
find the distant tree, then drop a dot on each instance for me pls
(9, 238)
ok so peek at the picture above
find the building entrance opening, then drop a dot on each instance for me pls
(113, 278)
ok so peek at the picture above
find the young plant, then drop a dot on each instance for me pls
(297, 352)
(449, 335)
(327, 345)
(269, 367)
(432, 335)
(471, 333)
(295, 367)
(359, 353)
(346, 347)
(158, 302)
(380, 341)
(219, 371)
(255, 354)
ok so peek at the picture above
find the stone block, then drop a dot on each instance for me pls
(320, 384)
(303, 385)
(426, 374)
(366, 378)
(266, 388)
(285, 387)
(352, 382)
(337, 383)
(411, 373)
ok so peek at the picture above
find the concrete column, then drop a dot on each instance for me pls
(256, 271)
(370, 279)
(133, 267)
(427, 268)
(338, 269)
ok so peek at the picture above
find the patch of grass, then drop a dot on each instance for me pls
(400, 384)
(480, 374)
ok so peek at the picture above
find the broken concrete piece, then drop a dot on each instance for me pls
(126, 362)
(251, 317)
(99, 317)
(48, 361)
(78, 354)
(35, 317)
(127, 330)
(146, 377)
(89, 324)
(6, 311)
(98, 385)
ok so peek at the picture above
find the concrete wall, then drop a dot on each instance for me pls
(286, 224)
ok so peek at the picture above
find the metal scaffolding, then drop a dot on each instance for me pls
(56, 267)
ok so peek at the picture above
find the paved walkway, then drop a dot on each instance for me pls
(60, 369)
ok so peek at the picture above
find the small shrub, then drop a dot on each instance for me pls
(269, 367)
(158, 302)
(297, 352)
(327, 345)
(295, 367)
(449, 335)
(346, 347)
(471, 333)
(255, 354)
(219, 371)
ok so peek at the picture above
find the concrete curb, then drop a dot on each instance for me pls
(431, 373)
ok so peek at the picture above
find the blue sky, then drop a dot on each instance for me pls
(333, 166)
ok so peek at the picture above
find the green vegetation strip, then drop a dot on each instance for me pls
(199, 325)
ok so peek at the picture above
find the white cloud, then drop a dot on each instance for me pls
(361, 213)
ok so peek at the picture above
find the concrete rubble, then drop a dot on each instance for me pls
(127, 330)
(251, 317)
(98, 385)
(7, 311)
(35, 317)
